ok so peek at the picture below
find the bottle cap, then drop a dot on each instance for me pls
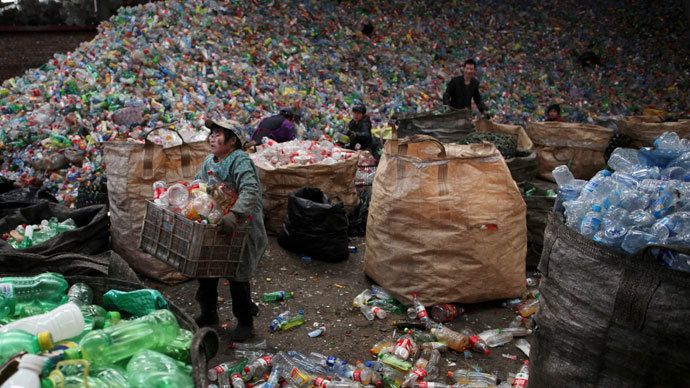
(45, 340)
(72, 354)
(113, 316)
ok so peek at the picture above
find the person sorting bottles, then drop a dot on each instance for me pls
(233, 166)
(280, 127)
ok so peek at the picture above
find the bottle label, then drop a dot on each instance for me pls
(474, 340)
(298, 377)
(7, 290)
(265, 361)
(520, 380)
(357, 375)
(421, 311)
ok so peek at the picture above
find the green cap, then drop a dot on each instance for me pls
(113, 317)
(72, 354)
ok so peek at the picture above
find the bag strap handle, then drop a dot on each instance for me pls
(639, 283)
(185, 156)
(404, 143)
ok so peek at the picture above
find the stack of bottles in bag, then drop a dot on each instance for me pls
(61, 339)
(205, 201)
(645, 200)
(411, 360)
(27, 236)
(299, 152)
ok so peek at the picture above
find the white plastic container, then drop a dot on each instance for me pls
(27, 375)
(63, 322)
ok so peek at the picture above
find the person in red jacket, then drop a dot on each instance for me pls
(553, 113)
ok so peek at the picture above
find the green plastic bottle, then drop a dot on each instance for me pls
(294, 321)
(20, 296)
(150, 369)
(111, 377)
(120, 341)
(179, 349)
(15, 341)
(277, 296)
(137, 303)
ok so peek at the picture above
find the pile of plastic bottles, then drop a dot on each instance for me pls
(26, 236)
(172, 64)
(646, 200)
(205, 201)
(60, 338)
(299, 152)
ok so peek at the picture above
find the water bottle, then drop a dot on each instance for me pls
(226, 368)
(371, 312)
(592, 187)
(624, 159)
(148, 368)
(642, 218)
(405, 346)
(522, 377)
(277, 296)
(636, 240)
(279, 320)
(45, 291)
(476, 342)
(15, 341)
(562, 175)
(421, 311)
(470, 377)
(64, 322)
(80, 294)
(496, 337)
(591, 222)
(28, 374)
(178, 196)
(362, 298)
(257, 367)
(118, 342)
(453, 339)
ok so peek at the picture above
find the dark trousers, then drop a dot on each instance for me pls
(207, 296)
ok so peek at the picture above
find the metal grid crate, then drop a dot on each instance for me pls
(194, 249)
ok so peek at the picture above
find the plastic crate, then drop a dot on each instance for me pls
(196, 250)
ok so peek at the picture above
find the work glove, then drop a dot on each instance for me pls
(228, 223)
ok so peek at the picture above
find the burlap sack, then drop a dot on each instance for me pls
(337, 181)
(132, 169)
(642, 130)
(524, 143)
(447, 222)
(579, 146)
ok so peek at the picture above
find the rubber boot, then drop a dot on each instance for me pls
(242, 309)
(207, 296)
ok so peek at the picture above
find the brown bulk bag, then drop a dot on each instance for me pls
(579, 146)
(132, 169)
(336, 180)
(524, 143)
(523, 167)
(642, 130)
(447, 222)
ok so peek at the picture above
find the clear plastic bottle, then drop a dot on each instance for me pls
(562, 175)
(47, 289)
(178, 196)
(591, 223)
(591, 188)
(476, 342)
(405, 346)
(15, 341)
(624, 160)
(277, 296)
(80, 294)
(159, 189)
(66, 321)
(421, 311)
(226, 368)
(362, 298)
(236, 381)
(635, 240)
(453, 339)
(28, 374)
(372, 312)
(118, 342)
(468, 377)
(279, 320)
(496, 337)
(148, 368)
(416, 375)
(522, 377)
(257, 367)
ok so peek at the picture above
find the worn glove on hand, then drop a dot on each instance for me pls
(228, 223)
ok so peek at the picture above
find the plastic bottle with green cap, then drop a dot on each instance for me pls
(120, 341)
(149, 368)
(277, 296)
(15, 341)
(46, 290)
(179, 348)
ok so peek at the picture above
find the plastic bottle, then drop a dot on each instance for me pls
(635, 240)
(148, 368)
(363, 375)
(236, 381)
(178, 196)
(385, 346)
(159, 189)
(15, 341)
(421, 311)
(562, 175)
(28, 374)
(430, 384)
(117, 342)
(591, 187)
(227, 369)
(453, 339)
(468, 377)
(279, 320)
(273, 378)
(394, 362)
(257, 367)
(373, 312)
(137, 303)
(64, 322)
(522, 377)
(362, 298)
(496, 337)
(47, 289)
(591, 223)
(623, 160)
(277, 296)
(416, 375)
(405, 346)
(476, 342)
(528, 308)
(445, 312)
(517, 331)
(294, 321)
(179, 348)
(80, 294)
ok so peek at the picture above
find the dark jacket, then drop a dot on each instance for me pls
(459, 96)
(275, 127)
(359, 132)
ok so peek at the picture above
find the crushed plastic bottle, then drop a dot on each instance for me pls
(24, 296)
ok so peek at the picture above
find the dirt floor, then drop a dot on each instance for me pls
(325, 292)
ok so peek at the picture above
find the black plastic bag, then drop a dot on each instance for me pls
(19, 198)
(315, 226)
(91, 236)
(357, 219)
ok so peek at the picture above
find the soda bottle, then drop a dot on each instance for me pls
(279, 320)
(385, 346)
(62, 323)
(80, 294)
(148, 368)
(421, 311)
(453, 339)
(277, 296)
(415, 375)
(117, 342)
(476, 343)
(226, 368)
(468, 377)
(373, 312)
(445, 312)
(137, 303)
(179, 348)
(405, 346)
(273, 378)
(394, 362)
(522, 377)
(236, 381)
(99, 377)
(15, 341)
(528, 308)
(496, 337)
(297, 320)
(429, 362)
(159, 188)
(46, 290)
(257, 367)
(517, 331)
(178, 196)
(425, 384)
(28, 373)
